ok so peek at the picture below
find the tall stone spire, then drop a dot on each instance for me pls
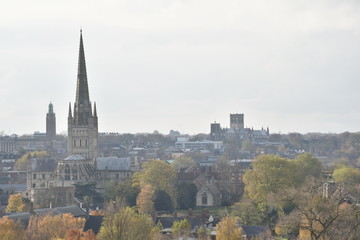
(82, 124)
(82, 89)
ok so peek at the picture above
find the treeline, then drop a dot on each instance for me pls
(295, 199)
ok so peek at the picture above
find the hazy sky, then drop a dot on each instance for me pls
(182, 64)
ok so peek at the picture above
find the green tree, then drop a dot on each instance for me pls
(347, 175)
(270, 174)
(186, 195)
(181, 228)
(163, 201)
(160, 175)
(126, 224)
(88, 189)
(249, 212)
(307, 166)
(123, 189)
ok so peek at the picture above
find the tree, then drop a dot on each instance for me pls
(160, 175)
(248, 212)
(11, 230)
(20, 164)
(228, 229)
(123, 189)
(88, 189)
(79, 234)
(125, 224)
(186, 195)
(270, 174)
(15, 203)
(347, 175)
(145, 200)
(181, 228)
(307, 166)
(318, 217)
(50, 227)
(163, 201)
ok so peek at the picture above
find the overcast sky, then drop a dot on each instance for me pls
(293, 66)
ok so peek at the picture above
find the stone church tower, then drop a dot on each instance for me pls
(83, 123)
(50, 123)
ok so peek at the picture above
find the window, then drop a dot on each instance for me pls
(34, 176)
(67, 172)
(204, 199)
(74, 172)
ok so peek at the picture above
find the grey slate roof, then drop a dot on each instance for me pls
(113, 163)
(43, 164)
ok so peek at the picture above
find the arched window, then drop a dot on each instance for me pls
(204, 199)
(67, 172)
(80, 142)
(75, 172)
(74, 142)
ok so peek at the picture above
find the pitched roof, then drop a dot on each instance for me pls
(43, 164)
(113, 163)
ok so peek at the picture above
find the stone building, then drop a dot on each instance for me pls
(83, 123)
(50, 123)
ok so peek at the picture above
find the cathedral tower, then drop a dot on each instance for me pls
(50, 123)
(83, 123)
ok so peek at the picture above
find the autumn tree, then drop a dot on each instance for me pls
(16, 203)
(160, 175)
(10, 230)
(181, 228)
(20, 164)
(316, 216)
(228, 229)
(145, 200)
(79, 234)
(125, 224)
(52, 227)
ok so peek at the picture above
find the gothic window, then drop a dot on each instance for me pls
(74, 172)
(80, 142)
(74, 142)
(204, 199)
(67, 172)
(86, 143)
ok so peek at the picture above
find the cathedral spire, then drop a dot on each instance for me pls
(82, 90)
(95, 113)
(70, 114)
